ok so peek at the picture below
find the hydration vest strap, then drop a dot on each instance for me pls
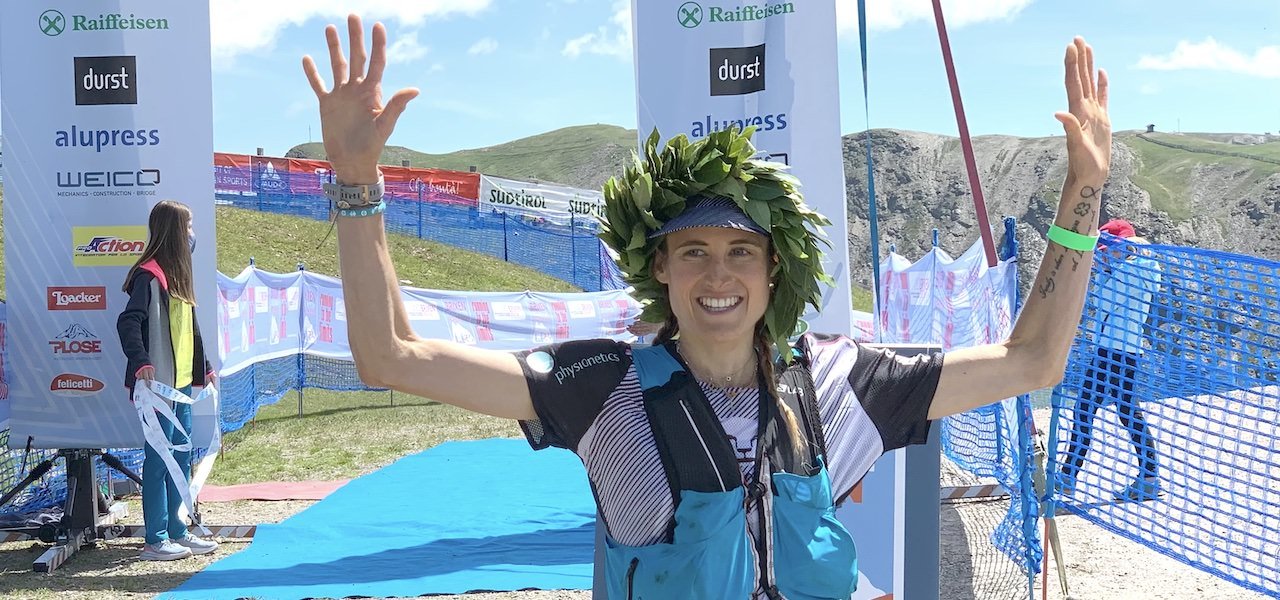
(796, 389)
(692, 444)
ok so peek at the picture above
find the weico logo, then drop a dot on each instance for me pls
(53, 23)
(737, 71)
(131, 182)
(106, 80)
(107, 246)
(692, 14)
(76, 341)
(72, 384)
(72, 297)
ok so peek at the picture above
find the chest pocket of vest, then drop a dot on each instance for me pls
(814, 555)
(708, 558)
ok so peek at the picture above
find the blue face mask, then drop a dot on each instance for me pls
(191, 240)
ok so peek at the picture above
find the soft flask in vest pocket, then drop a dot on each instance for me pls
(709, 557)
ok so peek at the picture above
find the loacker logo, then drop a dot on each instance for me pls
(72, 384)
(77, 297)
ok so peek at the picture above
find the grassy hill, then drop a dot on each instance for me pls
(1170, 174)
(278, 243)
(574, 155)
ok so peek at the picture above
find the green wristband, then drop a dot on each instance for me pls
(1071, 240)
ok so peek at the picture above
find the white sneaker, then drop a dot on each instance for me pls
(165, 550)
(197, 545)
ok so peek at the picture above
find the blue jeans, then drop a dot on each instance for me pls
(160, 498)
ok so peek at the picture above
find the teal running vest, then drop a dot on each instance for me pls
(802, 552)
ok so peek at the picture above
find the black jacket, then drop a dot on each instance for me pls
(143, 327)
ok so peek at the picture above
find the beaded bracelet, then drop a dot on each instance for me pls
(366, 211)
(1071, 240)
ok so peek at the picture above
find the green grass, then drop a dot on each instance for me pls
(862, 299)
(551, 156)
(1166, 173)
(278, 243)
(343, 435)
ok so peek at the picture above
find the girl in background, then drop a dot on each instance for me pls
(161, 340)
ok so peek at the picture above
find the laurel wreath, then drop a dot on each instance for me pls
(654, 188)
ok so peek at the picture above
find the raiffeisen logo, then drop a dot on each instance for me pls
(54, 23)
(107, 246)
(693, 14)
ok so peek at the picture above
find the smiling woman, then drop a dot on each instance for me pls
(717, 454)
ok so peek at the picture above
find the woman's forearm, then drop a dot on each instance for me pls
(1051, 314)
(377, 325)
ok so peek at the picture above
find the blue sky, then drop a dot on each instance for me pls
(496, 70)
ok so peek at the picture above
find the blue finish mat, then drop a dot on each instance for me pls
(464, 516)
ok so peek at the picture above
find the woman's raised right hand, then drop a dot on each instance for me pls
(354, 122)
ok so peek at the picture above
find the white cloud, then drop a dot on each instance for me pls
(406, 49)
(484, 46)
(1213, 56)
(611, 39)
(896, 13)
(243, 26)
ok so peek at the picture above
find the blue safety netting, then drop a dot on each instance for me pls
(565, 247)
(1164, 428)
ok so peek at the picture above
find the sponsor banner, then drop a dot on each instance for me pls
(107, 246)
(92, 143)
(706, 66)
(262, 316)
(554, 202)
(245, 174)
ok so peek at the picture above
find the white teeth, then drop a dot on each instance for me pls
(720, 303)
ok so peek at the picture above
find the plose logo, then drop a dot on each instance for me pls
(76, 342)
(736, 71)
(71, 297)
(106, 80)
(108, 246)
(72, 384)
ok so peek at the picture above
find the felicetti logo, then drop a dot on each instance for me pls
(692, 14)
(76, 341)
(73, 384)
(108, 246)
(71, 297)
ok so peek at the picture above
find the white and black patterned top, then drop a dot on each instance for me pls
(588, 399)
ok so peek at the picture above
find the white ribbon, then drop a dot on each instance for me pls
(151, 399)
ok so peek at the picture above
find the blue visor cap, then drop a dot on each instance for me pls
(710, 211)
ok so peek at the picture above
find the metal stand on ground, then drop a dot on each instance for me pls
(1051, 539)
(86, 518)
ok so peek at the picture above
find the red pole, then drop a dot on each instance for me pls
(971, 165)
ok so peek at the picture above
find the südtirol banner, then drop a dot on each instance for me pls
(553, 202)
(706, 66)
(106, 110)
